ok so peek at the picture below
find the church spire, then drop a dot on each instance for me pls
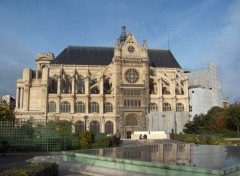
(123, 36)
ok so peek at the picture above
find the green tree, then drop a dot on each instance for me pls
(206, 122)
(233, 114)
(87, 139)
(6, 112)
(196, 126)
(215, 115)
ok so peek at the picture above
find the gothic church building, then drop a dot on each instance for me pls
(127, 87)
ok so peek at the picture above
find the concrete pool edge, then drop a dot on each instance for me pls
(144, 166)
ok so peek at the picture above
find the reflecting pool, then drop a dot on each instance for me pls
(203, 156)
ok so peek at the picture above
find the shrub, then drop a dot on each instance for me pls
(36, 169)
(86, 139)
(101, 143)
(200, 139)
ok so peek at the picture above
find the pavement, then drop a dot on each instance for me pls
(18, 160)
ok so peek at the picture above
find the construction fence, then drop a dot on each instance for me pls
(36, 135)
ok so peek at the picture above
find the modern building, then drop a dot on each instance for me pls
(204, 90)
(8, 99)
(123, 88)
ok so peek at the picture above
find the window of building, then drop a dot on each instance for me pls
(109, 127)
(94, 107)
(166, 107)
(79, 127)
(51, 106)
(95, 127)
(179, 107)
(132, 93)
(65, 107)
(80, 107)
(190, 108)
(153, 107)
(66, 84)
(165, 87)
(107, 86)
(108, 107)
(53, 82)
(132, 103)
(79, 84)
(131, 120)
(95, 90)
(132, 75)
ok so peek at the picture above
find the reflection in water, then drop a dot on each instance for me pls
(206, 156)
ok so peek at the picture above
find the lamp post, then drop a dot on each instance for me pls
(85, 122)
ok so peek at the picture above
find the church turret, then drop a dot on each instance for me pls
(123, 36)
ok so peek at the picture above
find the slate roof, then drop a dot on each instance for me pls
(82, 55)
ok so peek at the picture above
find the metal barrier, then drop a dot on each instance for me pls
(36, 135)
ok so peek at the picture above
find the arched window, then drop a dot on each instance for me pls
(165, 87)
(95, 90)
(51, 106)
(109, 127)
(108, 107)
(66, 85)
(166, 107)
(94, 107)
(179, 107)
(107, 86)
(80, 107)
(65, 107)
(79, 127)
(53, 84)
(79, 84)
(95, 127)
(131, 120)
(153, 107)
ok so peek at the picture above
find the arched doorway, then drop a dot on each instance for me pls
(131, 125)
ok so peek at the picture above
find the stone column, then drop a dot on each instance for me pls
(160, 87)
(101, 85)
(59, 86)
(58, 105)
(73, 85)
(17, 98)
(72, 105)
(87, 94)
(21, 97)
(26, 98)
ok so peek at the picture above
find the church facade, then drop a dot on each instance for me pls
(123, 88)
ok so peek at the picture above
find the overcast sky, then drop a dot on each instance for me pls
(196, 32)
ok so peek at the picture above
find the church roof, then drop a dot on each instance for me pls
(82, 55)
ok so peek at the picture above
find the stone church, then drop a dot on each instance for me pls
(125, 88)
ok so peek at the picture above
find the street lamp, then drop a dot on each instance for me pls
(85, 122)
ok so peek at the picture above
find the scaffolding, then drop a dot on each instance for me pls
(207, 78)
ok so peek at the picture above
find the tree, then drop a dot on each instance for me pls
(233, 114)
(196, 126)
(6, 112)
(215, 119)
(87, 139)
(207, 122)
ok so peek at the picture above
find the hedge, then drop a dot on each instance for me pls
(35, 169)
(200, 139)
